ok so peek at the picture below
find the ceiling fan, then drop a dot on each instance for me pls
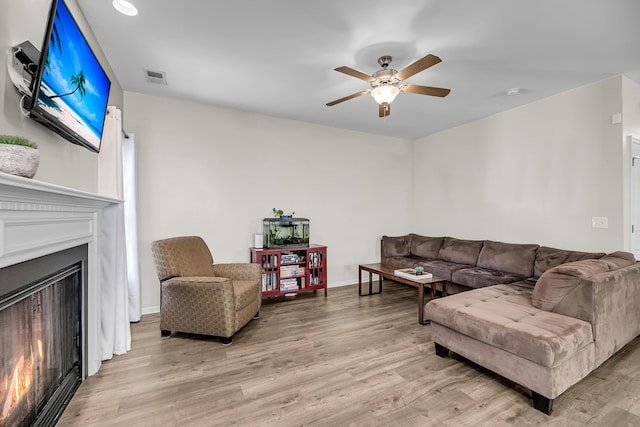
(386, 83)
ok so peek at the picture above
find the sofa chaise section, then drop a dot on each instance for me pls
(549, 337)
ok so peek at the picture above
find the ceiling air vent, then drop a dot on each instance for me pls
(156, 77)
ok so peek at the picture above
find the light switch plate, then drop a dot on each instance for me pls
(599, 222)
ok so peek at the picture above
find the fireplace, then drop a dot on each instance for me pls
(52, 243)
(42, 336)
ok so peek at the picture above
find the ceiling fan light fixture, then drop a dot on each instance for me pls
(125, 7)
(386, 83)
(385, 93)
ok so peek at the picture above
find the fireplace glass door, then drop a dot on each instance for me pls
(40, 349)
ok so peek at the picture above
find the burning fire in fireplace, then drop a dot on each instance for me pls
(40, 339)
(15, 387)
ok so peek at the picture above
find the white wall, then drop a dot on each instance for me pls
(534, 174)
(61, 162)
(217, 173)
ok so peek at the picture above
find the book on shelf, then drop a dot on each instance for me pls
(291, 271)
(410, 273)
(315, 259)
(269, 261)
(269, 282)
(286, 258)
(287, 285)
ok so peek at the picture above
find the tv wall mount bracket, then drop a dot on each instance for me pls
(22, 64)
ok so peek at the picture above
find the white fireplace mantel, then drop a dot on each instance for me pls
(37, 219)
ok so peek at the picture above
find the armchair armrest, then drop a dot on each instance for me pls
(238, 271)
(213, 286)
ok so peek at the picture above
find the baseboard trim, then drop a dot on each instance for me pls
(151, 310)
(342, 283)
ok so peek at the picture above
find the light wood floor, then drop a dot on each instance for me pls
(341, 361)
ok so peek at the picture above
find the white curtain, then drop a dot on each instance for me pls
(114, 295)
(116, 331)
(129, 171)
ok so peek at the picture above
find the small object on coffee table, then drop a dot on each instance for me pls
(413, 274)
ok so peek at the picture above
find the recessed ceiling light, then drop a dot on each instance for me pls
(124, 7)
(513, 91)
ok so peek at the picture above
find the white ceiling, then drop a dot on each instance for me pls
(276, 57)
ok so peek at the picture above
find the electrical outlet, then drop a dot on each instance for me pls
(616, 118)
(599, 222)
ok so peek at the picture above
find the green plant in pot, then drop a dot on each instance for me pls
(280, 213)
(18, 156)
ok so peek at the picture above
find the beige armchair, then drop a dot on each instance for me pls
(200, 297)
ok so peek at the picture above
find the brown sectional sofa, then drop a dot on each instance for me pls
(542, 317)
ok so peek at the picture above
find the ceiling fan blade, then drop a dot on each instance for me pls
(384, 109)
(355, 73)
(346, 98)
(416, 67)
(425, 90)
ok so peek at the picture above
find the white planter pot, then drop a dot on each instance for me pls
(19, 160)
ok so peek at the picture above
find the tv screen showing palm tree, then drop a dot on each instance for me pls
(74, 89)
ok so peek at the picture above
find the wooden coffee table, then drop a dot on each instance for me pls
(386, 271)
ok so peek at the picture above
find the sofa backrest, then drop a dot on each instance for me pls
(426, 247)
(500, 256)
(394, 246)
(460, 251)
(508, 257)
(547, 258)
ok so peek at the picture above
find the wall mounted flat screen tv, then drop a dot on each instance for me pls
(70, 90)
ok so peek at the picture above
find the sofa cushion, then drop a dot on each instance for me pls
(559, 282)
(476, 277)
(460, 251)
(508, 257)
(426, 247)
(393, 246)
(547, 258)
(442, 269)
(503, 316)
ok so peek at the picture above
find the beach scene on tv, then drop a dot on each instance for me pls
(74, 88)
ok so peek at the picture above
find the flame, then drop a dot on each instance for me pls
(18, 384)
